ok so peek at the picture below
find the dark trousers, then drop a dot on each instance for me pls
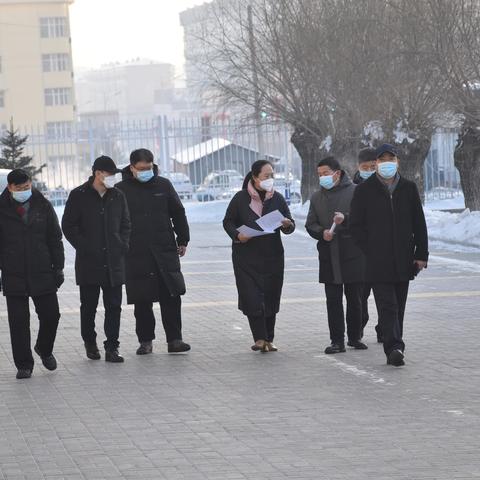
(366, 290)
(112, 301)
(48, 313)
(391, 299)
(336, 316)
(262, 327)
(171, 310)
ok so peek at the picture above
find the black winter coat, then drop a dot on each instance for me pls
(390, 229)
(99, 230)
(31, 253)
(341, 261)
(154, 206)
(259, 263)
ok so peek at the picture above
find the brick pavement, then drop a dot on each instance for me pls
(224, 412)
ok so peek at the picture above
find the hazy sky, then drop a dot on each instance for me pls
(106, 31)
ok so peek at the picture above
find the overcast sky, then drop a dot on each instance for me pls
(106, 31)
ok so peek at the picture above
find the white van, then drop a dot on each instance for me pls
(3, 178)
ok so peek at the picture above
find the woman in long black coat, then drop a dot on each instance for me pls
(258, 262)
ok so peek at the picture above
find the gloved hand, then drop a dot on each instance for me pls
(59, 278)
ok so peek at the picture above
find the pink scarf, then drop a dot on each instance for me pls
(256, 204)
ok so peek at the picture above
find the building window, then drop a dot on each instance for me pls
(2, 98)
(56, 62)
(59, 130)
(58, 96)
(53, 27)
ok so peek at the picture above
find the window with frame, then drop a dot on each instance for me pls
(58, 96)
(59, 130)
(53, 27)
(56, 62)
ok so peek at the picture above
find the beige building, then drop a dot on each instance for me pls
(36, 78)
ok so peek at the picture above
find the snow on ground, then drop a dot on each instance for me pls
(447, 228)
(446, 203)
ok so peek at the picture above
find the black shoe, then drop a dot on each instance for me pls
(92, 351)
(357, 345)
(145, 348)
(395, 358)
(23, 373)
(49, 362)
(113, 356)
(178, 346)
(335, 348)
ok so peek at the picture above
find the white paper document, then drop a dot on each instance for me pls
(271, 221)
(251, 232)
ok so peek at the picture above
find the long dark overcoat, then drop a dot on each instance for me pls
(259, 263)
(159, 226)
(390, 229)
(31, 253)
(99, 230)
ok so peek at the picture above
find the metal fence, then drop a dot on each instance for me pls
(204, 159)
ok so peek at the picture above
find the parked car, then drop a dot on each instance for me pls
(182, 184)
(219, 185)
(57, 196)
(3, 178)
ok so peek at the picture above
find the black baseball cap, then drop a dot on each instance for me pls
(386, 148)
(105, 164)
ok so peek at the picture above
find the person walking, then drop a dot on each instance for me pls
(97, 224)
(258, 262)
(367, 164)
(160, 235)
(31, 263)
(342, 264)
(388, 223)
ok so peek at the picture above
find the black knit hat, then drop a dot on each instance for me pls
(367, 155)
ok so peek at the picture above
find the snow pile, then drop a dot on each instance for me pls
(457, 202)
(206, 212)
(460, 228)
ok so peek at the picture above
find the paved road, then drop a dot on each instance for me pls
(224, 412)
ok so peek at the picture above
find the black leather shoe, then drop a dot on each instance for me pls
(396, 358)
(113, 356)
(178, 346)
(145, 348)
(92, 351)
(49, 362)
(23, 373)
(335, 348)
(357, 345)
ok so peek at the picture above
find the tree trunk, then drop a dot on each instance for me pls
(307, 145)
(467, 161)
(412, 159)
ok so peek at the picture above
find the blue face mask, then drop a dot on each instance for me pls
(23, 196)
(327, 182)
(144, 175)
(365, 174)
(387, 169)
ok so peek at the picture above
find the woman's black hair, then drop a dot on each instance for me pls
(255, 170)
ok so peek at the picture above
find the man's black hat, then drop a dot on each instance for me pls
(105, 164)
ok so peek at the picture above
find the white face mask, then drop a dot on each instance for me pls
(267, 184)
(109, 181)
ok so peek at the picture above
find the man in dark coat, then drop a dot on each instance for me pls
(367, 165)
(31, 261)
(342, 263)
(388, 224)
(97, 224)
(153, 264)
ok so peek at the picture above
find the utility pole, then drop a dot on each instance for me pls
(256, 93)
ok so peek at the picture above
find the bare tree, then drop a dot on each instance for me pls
(455, 33)
(328, 69)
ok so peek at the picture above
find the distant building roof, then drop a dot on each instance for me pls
(192, 154)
